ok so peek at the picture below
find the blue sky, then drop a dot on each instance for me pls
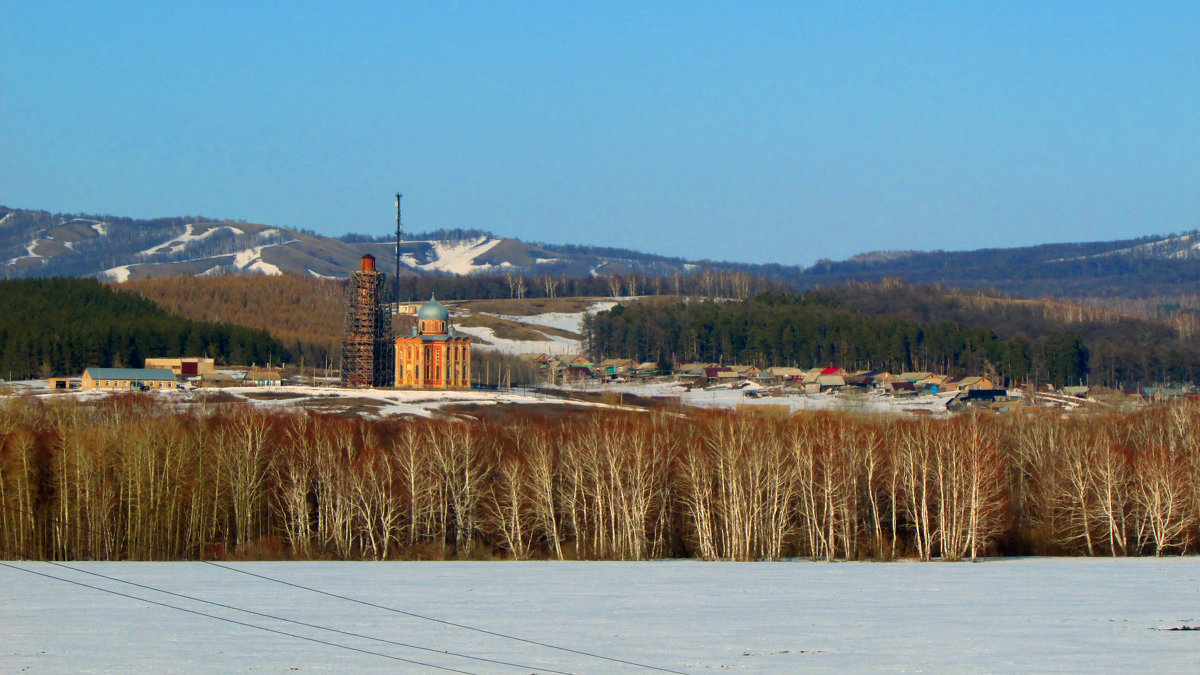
(779, 132)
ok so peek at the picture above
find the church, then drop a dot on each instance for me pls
(434, 356)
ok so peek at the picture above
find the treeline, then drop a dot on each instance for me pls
(58, 327)
(1123, 349)
(1096, 269)
(704, 281)
(816, 329)
(304, 313)
(122, 479)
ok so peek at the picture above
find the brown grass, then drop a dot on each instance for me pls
(344, 405)
(271, 395)
(503, 412)
(512, 330)
(527, 306)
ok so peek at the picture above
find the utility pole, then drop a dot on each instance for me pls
(398, 195)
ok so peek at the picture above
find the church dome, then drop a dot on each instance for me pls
(433, 310)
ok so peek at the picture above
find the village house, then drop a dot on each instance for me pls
(577, 374)
(922, 380)
(833, 377)
(218, 379)
(744, 371)
(726, 375)
(1080, 391)
(782, 374)
(877, 378)
(933, 381)
(869, 378)
(831, 381)
(713, 373)
(692, 370)
(963, 384)
(992, 399)
(617, 367)
(263, 378)
(949, 384)
(127, 379)
(559, 367)
(646, 370)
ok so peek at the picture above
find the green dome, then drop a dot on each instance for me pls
(433, 310)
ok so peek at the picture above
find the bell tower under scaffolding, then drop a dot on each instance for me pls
(367, 350)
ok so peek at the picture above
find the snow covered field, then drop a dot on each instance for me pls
(1013, 615)
(422, 403)
(729, 397)
(553, 344)
(572, 321)
(364, 402)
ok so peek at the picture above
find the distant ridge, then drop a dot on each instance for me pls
(42, 244)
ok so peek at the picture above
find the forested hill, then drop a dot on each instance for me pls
(58, 327)
(1135, 268)
(305, 313)
(42, 244)
(903, 328)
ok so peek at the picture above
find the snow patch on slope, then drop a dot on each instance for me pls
(569, 321)
(29, 251)
(251, 260)
(455, 257)
(246, 260)
(1178, 247)
(189, 235)
(117, 274)
(551, 345)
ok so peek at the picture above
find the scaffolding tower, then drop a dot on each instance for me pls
(367, 350)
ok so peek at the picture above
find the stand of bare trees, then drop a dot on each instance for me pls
(125, 479)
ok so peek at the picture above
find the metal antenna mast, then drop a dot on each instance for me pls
(398, 195)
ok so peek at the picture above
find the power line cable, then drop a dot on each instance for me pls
(443, 652)
(449, 623)
(235, 621)
(414, 615)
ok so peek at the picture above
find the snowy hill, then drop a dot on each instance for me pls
(41, 244)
